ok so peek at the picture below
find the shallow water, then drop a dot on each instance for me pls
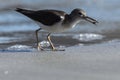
(17, 30)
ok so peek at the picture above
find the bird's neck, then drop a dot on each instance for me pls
(71, 21)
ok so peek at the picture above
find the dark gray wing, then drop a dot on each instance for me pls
(46, 17)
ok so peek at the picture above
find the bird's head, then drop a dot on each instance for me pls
(81, 14)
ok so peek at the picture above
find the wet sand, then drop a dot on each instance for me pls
(94, 62)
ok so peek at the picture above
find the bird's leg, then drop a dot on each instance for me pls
(38, 45)
(51, 44)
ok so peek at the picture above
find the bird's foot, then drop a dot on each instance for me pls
(40, 48)
(55, 49)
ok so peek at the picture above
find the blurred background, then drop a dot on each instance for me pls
(15, 28)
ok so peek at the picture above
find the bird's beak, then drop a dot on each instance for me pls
(91, 20)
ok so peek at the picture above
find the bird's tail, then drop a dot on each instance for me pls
(23, 10)
(19, 9)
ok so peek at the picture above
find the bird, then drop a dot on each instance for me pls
(54, 21)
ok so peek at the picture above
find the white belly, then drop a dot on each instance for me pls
(55, 28)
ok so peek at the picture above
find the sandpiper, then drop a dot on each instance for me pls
(55, 21)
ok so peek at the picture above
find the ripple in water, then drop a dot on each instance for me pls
(88, 37)
(7, 39)
(20, 48)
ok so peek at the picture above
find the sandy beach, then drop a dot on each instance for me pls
(94, 62)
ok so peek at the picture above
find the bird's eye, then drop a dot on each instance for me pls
(80, 13)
